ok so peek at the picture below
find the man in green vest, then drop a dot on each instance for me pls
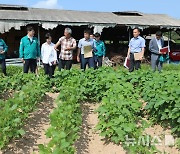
(3, 50)
(29, 50)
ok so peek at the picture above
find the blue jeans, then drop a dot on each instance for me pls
(85, 61)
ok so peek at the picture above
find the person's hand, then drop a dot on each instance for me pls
(142, 58)
(78, 59)
(23, 60)
(2, 52)
(56, 49)
(54, 62)
(128, 56)
(162, 53)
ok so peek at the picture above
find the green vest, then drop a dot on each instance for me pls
(3, 47)
(28, 49)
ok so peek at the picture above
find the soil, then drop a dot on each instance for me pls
(35, 128)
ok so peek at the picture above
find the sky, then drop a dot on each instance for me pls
(169, 7)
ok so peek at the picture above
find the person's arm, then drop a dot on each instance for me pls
(143, 45)
(58, 44)
(79, 51)
(151, 48)
(55, 57)
(143, 50)
(21, 50)
(78, 54)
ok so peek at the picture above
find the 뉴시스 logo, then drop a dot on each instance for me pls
(148, 140)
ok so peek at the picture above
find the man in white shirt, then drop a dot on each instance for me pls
(154, 46)
(49, 56)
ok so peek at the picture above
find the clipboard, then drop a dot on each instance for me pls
(138, 56)
(88, 51)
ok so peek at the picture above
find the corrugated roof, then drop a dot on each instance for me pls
(85, 17)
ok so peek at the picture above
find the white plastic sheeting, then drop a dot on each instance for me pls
(48, 25)
(99, 28)
(5, 26)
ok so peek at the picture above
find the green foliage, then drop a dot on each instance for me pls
(66, 119)
(28, 91)
(162, 92)
(118, 91)
(119, 112)
(15, 110)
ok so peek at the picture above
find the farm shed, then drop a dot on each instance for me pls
(115, 27)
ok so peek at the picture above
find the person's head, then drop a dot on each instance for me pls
(30, 31)
(67, 32)
(158, 35)
(87, 34)
(97, 36)
(92, 36)
(48, 38)
(136, 32)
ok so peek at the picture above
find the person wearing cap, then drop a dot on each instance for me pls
(100, 51)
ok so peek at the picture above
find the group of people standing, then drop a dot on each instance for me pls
(30, 51)
(137, 45)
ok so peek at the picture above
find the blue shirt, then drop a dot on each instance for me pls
(3, 47)
(100, 48)
(136, 44)
(83, 42)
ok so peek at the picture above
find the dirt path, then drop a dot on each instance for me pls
(35, 129)
(90, 142)
(164, 138)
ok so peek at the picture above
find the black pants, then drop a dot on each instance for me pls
(98, 61)
(30, 64)
(49, 70)
(65, 64)
(134, 63)
(3, 66)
